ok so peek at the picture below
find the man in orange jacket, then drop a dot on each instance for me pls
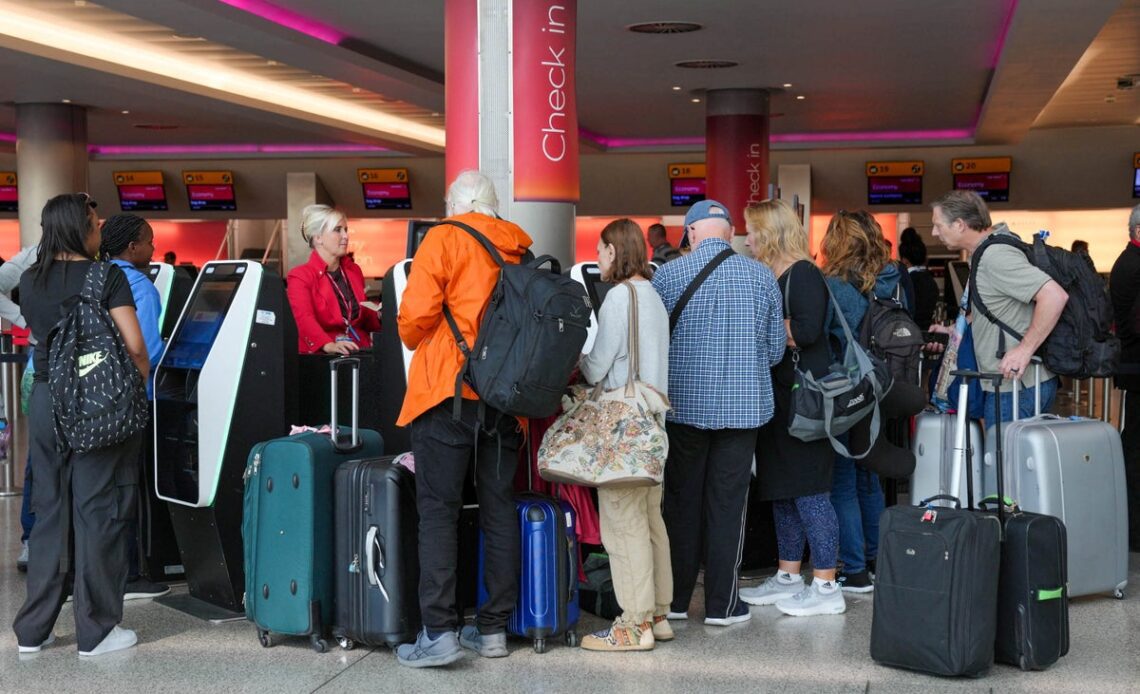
(451, 268)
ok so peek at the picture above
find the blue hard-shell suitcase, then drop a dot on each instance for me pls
(547, 605)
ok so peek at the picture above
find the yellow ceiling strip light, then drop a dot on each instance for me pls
(55, 37)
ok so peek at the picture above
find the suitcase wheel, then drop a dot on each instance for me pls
(572, 639)
(319, 645)
(1118, 593)
(346, 643)
(540, 646)
(264, 638)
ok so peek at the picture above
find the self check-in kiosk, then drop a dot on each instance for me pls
(173, 285)
(224, 383)
(395, 358)
(589, 275)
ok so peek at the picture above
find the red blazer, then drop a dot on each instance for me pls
(317, 310)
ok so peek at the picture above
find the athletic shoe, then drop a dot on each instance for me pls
(425, 652)
(36, 649)
(813, 600)
(486, 645)
(22, 560)
(855, 583)
(662, 631)
(141, 588)
(677, 615)
(621, 637)
(742, 615)
(871, 568)
(773, 590)
(118, 639)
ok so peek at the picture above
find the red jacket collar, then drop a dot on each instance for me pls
(318, 264)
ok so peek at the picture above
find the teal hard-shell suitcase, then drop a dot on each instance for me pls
(287, 526)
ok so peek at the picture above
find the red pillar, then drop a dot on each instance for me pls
(736, 144)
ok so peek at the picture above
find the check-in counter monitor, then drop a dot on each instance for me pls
(589, 275)
(226, 381)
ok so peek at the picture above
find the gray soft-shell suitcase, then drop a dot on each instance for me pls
(1073, 468)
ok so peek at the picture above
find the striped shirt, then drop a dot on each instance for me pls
(727, 339)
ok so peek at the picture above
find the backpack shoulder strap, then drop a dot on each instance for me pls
(483, 240)
(95, 281)
(696, 284)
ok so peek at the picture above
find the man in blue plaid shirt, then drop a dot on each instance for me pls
(722, 349)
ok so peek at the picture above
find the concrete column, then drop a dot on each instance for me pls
(736, 144)
(51, 159)
(301, 190)
(512, 113)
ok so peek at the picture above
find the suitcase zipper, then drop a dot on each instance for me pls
(252, 468)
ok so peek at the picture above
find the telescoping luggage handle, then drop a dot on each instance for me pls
(334, 370)
(996, 379)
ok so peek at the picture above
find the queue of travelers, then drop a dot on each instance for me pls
(720, 333)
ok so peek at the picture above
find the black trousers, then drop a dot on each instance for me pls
(444, 448)
(707, 475)
(103, 490)
(1130, 439)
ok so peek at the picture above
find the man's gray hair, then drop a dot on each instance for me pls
(472, 191)
(967, 206)
(1134, 218)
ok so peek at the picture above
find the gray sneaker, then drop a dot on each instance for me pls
(486, 645)
(771, 591)
(812, 601)
(444, 650)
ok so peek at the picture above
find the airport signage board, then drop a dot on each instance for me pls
(687, 184)
(210, 191)
(986, 176)
(9, 192)
(894, 182)
(1136, 175)
(385, 189)
(140, 191)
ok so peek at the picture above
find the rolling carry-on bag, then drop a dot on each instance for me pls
(1073, 468)
(935, 606)
(287, 526)
(377, 554)
(547, 605)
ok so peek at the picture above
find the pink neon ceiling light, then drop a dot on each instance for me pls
(289, 19)
(232, 149)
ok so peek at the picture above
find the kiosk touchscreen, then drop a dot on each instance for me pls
(225, 382)
(174, 287)
(589, 275)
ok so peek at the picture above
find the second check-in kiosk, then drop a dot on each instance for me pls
(225, 383)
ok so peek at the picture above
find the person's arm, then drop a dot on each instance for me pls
(148, 308)
(1049, 302)
(300, 288)
(127, 321)
(773, 326)
(613, 328)
(9, 311)
(421, 309)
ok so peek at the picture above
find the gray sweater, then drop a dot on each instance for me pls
(609, 358)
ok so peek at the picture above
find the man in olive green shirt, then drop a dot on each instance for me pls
(1015, 291)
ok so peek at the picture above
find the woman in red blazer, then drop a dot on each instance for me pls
(326, 293)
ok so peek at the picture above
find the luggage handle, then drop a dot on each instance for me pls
(996, 380)
(941, 497)
(992, 500)
(334, 371)
(1036, 361)
(373, 555)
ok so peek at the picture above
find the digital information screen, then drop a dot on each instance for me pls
(210, 190)
(190, 346)
(687, 183)
(894, 182)
(385, 189)
(9, 192)
(140, 191)
(986, 176)
(1136, 175)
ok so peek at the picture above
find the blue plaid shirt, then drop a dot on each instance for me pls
(727, 339)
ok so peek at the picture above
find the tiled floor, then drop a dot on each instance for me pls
(771, 653)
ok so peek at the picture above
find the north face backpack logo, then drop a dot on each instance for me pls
(87, 362)
(902, 332)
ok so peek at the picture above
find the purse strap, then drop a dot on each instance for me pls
(634, 346)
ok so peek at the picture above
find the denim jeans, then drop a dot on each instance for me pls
(1025, 404)
(858, 501)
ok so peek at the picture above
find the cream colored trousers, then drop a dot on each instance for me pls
(633, 533)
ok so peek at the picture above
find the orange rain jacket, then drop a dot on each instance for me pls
(450, 267)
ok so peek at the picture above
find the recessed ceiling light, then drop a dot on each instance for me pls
(66, 101)
(124, 112)
(800, 97)
(664, 27)
(676, 88)
(696, 100)
(706, 64)
(356, 90)
(271, 63)
(787, 85)
(435, 114)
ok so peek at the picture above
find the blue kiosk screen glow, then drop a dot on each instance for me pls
(191, 344)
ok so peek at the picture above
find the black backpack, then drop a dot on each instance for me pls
(98, 396)
(530, 338)
(1081, 345)
(889, 333)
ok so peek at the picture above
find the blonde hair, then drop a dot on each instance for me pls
(778, 232)
(316, 220)
(854, 249)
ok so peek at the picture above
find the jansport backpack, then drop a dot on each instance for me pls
(98, 396)
(530, 338)
(1081, 345)
(891, 334)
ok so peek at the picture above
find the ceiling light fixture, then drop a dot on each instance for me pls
(121, 150)
(800, 97)
(288, 18)
(707, 64)
(676, 88)
(66, 101)
(696, 100)
(124, 112)
(55, 37)
(664, 27)
(787, 85)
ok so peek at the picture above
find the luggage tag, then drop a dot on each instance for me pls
(930, 515)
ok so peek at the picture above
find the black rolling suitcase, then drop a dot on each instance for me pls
(935, 607)
(376, 554)
(1033, 600)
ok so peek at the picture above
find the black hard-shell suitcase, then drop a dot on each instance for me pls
(377, 554)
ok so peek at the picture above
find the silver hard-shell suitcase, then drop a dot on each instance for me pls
(1073, 468)
(934, 455)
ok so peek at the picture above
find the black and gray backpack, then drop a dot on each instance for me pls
(98, 395)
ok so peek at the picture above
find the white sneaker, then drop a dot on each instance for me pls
(677, 615)
(118, 639)
(812, 601)
(36, 649)
(772, 591)
(728, 621)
